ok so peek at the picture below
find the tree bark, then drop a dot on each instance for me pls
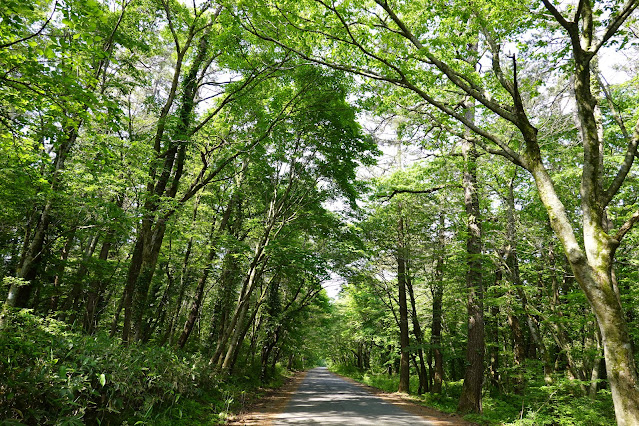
(438, 292)
(512, 267)
(470, 399)
(404, 341)
(419, 335)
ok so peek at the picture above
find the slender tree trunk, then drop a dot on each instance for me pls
(242, 336)
(70, 306)
(494, 347)
(231, 330)
(419, 336)
(165, 185)
(223, 303)
(199, 291)
(512, 264)
(596, 367)
(559, 333)
(438, 292)
(404, 342)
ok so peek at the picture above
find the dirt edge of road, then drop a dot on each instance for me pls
(408, 403)
(263, 411)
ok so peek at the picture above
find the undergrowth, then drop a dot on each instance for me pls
(559, 404)
(52, 375)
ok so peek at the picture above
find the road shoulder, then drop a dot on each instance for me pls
(408, 403)
(264, 410)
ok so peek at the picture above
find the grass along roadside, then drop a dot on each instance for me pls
(559, 404)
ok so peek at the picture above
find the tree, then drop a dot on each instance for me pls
(67, 74)
(425, 59)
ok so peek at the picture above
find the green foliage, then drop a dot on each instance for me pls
(51, 375)
(539, 405)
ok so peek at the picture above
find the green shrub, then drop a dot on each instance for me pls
(52, 375)
(559, 404)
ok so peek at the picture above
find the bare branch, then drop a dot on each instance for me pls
(558, 16)
(579, 10)
(388, 197)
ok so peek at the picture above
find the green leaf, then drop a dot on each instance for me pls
(102, 379)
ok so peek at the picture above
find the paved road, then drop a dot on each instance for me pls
(326, 399)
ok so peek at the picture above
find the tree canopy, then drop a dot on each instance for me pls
(187, 177)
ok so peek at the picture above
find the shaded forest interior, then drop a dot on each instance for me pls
(182, 182)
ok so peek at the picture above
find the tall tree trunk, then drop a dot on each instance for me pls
(419, 335)
(438, 292)
(596, 367)
(470, 399)
(494, 347)
(560, 336)
(236, 330)
(165, 185)
(512, 268)
(242, 335)
(512, 263)
(223, 305)
(184, 278)
(71, 304)
(230, 332)
(404, 342)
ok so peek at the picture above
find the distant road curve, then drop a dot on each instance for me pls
(324, 398)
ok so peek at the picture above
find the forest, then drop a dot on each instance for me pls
(434, 197)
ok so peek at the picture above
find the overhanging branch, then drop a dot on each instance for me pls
(387, 197)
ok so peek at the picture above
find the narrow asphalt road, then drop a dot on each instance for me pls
(326, 399)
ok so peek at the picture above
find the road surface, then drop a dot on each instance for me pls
(326, 399)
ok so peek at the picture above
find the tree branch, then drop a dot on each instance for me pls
(580, 8)
(614, 25)
(37, 33)
(627, 226)
(624, 169)
(558, 16)
(509, 152)
(388, 197)
(459, 80)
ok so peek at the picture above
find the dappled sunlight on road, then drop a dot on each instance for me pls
(326, 399)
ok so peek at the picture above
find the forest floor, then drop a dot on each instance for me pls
(265, 410)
